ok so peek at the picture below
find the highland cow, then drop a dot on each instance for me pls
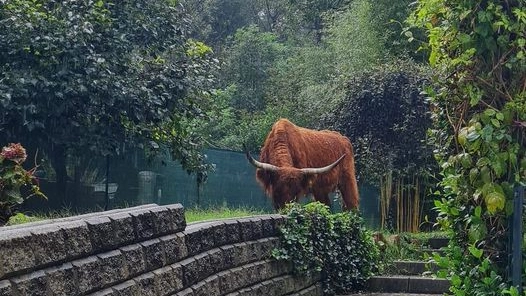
(295, 162)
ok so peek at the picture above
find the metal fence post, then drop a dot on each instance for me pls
(517, 232)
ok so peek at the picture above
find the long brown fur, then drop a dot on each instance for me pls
(291, 148)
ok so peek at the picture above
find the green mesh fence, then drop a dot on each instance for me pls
(133, 180)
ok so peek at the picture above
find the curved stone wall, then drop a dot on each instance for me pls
(146, 250)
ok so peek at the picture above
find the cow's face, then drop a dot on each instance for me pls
(288, 185)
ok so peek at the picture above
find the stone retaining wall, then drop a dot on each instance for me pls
(146, 250)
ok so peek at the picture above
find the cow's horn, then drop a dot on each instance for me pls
(260, 165)
(311, 171)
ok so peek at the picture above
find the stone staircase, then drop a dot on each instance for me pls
(411, 278)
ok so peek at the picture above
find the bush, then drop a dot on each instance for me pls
(335, 245)
(16, 184)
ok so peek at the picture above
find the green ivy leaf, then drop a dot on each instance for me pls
(476, 252)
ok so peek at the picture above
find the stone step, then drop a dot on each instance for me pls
(414, 267)
(407, 284)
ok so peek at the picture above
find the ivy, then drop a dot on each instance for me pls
(479, 110)
(336, 246)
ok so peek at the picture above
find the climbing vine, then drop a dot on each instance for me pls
(478, 49)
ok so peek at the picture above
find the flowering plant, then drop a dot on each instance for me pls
(14, 179)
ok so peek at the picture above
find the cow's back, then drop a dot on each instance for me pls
(290, 145)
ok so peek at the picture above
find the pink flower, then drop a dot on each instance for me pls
(14, 152)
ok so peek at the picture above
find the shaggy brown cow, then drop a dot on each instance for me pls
(296, 161)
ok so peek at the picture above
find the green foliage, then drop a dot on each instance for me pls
(335, 245)
(81, 77)
(479, 114)
(250, 57)
(386, 117)
(16, 183)
(20, 218)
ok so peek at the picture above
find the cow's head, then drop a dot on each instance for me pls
(286, 184)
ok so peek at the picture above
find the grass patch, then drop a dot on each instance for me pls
(194, 214)
(202, 214)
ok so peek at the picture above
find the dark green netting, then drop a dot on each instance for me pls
(133, 180)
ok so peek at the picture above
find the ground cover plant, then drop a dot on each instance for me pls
(335, 245)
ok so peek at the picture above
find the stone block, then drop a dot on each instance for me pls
(88, 274)
(178, 276)
(166, 281)
(134, 259)
(6, 288)
(102, 234)
(33, 284)
(208, 287)
(190, 271)
(220, 232)
(62, 280)
(265, 247)
(113, 267)
(49, 244)
(203, 266)
(17, 251)
(233, 232)
(199, 240)
(186, 292)
(168, 220)
(251, 229)
(76, 239)
(216, 261)
(144, 224)
(242, 254)
(257, 272)
(146, 284)
(154, 254)
(239, 277)
(268, 226)
(226, 285)
(177, 211)
(174, 247)
(229, 253)
(123, 229)
(128, 288)
(195, 269)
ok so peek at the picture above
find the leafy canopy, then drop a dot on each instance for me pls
(99, 75)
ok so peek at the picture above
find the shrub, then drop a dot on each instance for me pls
(335, 245)
(14, 179)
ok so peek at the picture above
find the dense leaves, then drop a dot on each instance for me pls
(387, 119)
(99, 76)
(334, 245)
(480, 111)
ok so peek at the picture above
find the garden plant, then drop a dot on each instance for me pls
(337, 246)
(16, 183)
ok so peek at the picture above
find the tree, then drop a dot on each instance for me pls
(386, 117)
(247, 66)
(478, 49)
(98, 77)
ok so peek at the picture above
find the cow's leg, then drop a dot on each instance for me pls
(349, 191)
